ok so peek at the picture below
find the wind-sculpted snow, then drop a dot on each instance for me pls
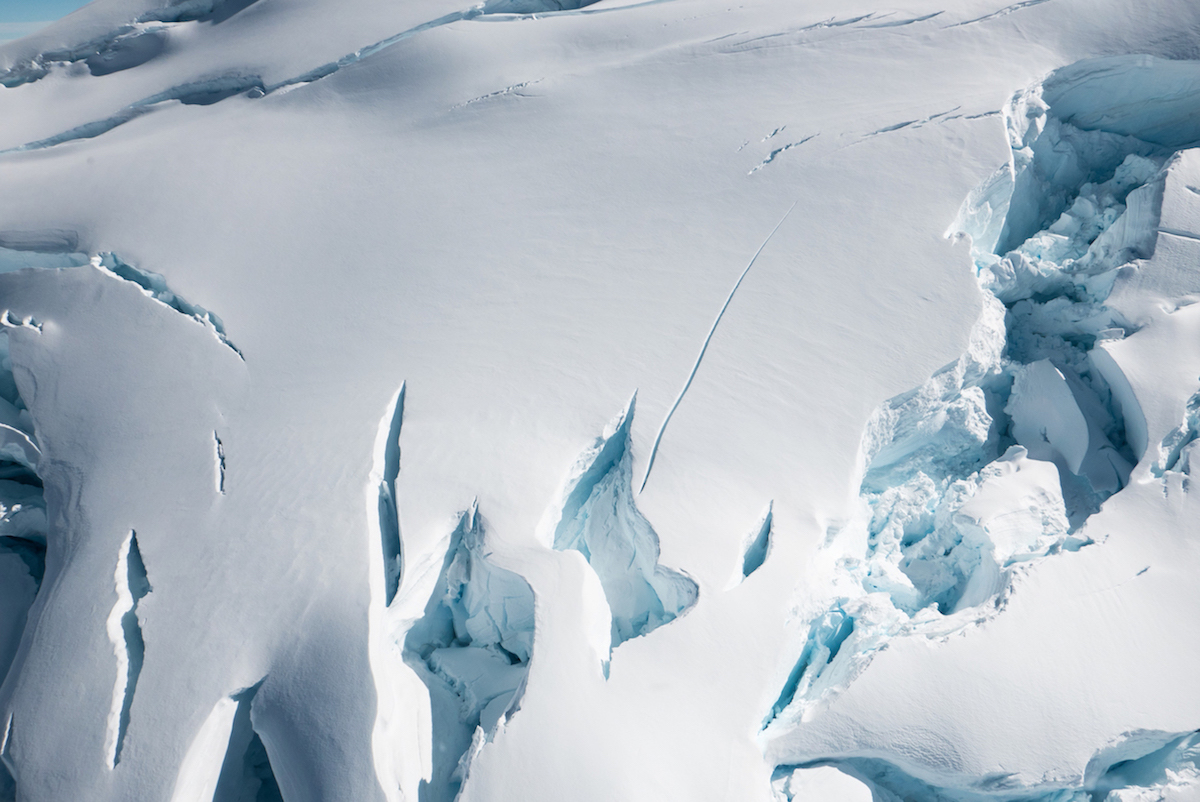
(472, 649)
(600, 520)
(137, 43)
(1002, 456)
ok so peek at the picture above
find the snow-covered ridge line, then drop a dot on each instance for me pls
(1001, 457)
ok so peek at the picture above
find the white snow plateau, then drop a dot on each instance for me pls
(605, 401)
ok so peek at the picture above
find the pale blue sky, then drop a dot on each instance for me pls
(21, 17)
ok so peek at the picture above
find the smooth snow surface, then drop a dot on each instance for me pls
(619, 400)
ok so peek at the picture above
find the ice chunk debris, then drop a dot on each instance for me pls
(600, 520)
(472, 649)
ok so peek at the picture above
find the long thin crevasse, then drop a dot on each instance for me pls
(125, 632)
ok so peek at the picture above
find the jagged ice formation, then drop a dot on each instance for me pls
(600, 520)
(472, 650)
(1001, 457)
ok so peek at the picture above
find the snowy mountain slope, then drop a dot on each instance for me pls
(524, 221)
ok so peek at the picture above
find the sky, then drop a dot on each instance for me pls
(21, 17)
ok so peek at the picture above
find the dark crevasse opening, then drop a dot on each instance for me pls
(472, 649)
(389, 515)
(125, 630)
(756, 548)
(246, 773)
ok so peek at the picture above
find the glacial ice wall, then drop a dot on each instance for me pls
(1001, 457)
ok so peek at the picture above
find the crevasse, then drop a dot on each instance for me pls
(472, 650)
(599, 519)
(1001, 456)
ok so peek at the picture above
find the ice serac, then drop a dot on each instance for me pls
(125, 632)
(1000, 458)
(600, 520)
(472, 649)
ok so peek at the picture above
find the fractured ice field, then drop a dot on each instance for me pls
(532, 400)
(1002, 457)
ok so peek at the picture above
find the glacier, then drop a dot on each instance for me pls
(629, 399)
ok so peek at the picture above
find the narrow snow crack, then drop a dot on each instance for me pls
(1000, 13)
(125, 632)
(758, 544)
(219, 448)
(778, 151)
(155, 286)
(704, 348)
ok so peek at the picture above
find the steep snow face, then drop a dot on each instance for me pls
(1001, 458)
